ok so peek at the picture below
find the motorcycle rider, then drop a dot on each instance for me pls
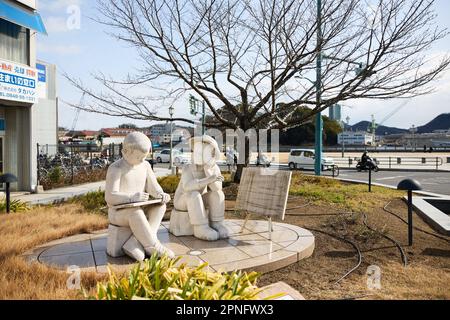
(364, 159)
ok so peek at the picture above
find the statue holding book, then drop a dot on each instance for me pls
(134, 218)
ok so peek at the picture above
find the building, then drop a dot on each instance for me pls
(28, 97)
(160, 133)
(436, 139)
(357, 138)
(334, 112)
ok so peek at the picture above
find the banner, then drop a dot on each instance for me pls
(17, 82)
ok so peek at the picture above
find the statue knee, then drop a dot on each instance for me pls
(137, 213)
(194, 195)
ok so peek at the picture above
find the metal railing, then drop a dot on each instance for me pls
(390, 162)
(68, 164)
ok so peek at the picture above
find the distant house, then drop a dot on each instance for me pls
(117, 135)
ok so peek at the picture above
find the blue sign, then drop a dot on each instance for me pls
(2, 124)
(42, 72)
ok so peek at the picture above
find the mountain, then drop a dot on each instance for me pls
(381, 130)
(441, 122)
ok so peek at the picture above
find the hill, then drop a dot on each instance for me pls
(441, 122)
(381, 130)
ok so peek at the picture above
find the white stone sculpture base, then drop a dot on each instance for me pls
(117, 236)
(180, 224)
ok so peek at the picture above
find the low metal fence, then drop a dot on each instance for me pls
(69, 164)
(390, 162)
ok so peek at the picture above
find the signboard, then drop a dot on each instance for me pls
(42, 81)
(29, 3)
(17, 82)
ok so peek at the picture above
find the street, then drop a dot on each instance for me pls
(436, 182)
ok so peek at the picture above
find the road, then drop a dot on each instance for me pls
(436, 182)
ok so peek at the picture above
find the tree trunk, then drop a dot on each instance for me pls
(242, 164)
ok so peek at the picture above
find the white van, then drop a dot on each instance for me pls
(305, 158)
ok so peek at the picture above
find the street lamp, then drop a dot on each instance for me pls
(194, 106)
(171, 109)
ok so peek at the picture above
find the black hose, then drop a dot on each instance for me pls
(358, 251)
(397, 244)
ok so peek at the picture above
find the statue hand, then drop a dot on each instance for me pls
(216, 178)
(165, 197)
(139, 196)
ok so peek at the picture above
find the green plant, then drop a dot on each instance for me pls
(161, 279)
(169, 183)
(55, 174)
(92, 201)
(15, 206)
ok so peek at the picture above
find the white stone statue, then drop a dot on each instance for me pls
(132, 180)
(199, 203)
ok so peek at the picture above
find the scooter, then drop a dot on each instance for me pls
(369, 165)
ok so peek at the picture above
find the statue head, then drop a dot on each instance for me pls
(205, 151)
(136, 147)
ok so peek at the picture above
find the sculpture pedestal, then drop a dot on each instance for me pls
(117, 236)
(180, 224)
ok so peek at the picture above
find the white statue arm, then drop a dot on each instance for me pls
(216, 185)
(112, 194)
(192, 184)
(152, 186)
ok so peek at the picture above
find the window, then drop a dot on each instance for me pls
(309, 154)
(296, 153)
(14, 42)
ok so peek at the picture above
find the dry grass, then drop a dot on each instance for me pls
(24, 231)
(427, 275)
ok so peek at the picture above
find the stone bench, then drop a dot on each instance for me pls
(180, 224)
(121, 242)
(117, 236)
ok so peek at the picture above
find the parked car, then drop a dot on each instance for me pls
(178, 156)
(305, 159)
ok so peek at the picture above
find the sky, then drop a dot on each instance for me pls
(80, 46)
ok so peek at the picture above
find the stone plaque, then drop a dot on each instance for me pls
(264, 192)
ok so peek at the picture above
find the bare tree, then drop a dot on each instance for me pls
(254, 58)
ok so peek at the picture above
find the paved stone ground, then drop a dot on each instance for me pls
(249, 250)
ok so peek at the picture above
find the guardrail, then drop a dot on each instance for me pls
(389, 162)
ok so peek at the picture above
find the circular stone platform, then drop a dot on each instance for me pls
(249, 250)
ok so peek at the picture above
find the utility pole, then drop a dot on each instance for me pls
(343, 138)
(171, 167)
(319, 121)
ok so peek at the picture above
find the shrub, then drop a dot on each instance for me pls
(56, 174)
(169, 183)
(15, 206)
(92, 201)
(161, 279)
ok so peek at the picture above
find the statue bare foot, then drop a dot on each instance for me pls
(204, 232)
(221, 229)
(160, 250)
